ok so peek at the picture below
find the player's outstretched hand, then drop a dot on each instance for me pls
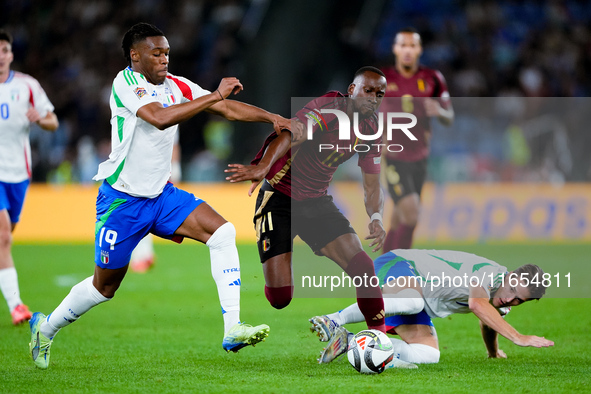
(500, 354)
(534, 341)
(242, 173)
(377, 233)
(229, 85)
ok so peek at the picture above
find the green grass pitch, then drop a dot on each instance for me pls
(162, 334)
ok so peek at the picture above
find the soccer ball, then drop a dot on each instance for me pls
(370, 351)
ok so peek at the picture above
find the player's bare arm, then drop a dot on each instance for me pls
(160, 117)
(374, 204)
(479, 304)
(255, 173)
(491, 342)
(433, 108)
(236, 110)
(49, 122)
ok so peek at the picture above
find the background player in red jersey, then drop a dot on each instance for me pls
(423, 92)
(294, 201)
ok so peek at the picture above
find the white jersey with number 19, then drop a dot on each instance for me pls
(19, 93)
(141, 155)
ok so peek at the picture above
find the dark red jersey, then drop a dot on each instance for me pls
(306, 171)
(410, 92)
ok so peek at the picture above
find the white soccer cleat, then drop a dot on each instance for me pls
(324, 327)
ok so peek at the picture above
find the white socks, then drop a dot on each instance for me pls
(225, 269)
(9, 287)
(80, 300)
(407, 302)
(415, 352)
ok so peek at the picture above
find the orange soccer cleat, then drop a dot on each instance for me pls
(20, 314)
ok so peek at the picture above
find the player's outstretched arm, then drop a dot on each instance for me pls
(488, 315)
(236, 110)
(491, 342)
(162, 118)
(374, 204)
(276, 149)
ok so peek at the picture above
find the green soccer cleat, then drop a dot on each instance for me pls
(241, 335)
(39, 345)
(338, 344)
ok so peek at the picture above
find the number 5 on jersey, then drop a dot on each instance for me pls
(110, 238)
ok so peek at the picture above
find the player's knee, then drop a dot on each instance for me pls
(224, 235)
(424, 354)
(5, 238)
(279, 297)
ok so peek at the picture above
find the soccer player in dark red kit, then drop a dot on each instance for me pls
(293, 199)
(423, 92)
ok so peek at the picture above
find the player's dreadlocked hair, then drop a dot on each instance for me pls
(534, 274)
(138, 33)
(5, 36)
(368, 68)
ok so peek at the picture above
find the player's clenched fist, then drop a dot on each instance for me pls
(229, 85)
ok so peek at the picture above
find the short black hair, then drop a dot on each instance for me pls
(138, 33)
(5, 36)
(408, 29)
(369, 68)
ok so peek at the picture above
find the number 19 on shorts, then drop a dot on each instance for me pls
(110, 238)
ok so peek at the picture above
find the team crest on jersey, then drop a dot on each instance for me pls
(104, 257)
(392, 86)
(140, 92)
(421, 84)
(14, 95)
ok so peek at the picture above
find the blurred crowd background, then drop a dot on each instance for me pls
(510, 55)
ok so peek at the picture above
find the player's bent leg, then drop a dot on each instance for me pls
(8, 276)
(389, 241)
(204, 224)
(83, 297)
(417, 344)
(278, 280)
(408, 208)
(347, 251)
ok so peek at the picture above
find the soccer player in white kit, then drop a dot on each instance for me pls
(147, 103)
(422, 284)
(22, 102)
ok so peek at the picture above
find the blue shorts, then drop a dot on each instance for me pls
(12, 198)
(123, 220)
(389, 266)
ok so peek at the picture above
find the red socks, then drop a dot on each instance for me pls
(369, 298)
(401, 238)
(279, 297)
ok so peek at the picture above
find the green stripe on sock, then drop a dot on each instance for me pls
(104, 217)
